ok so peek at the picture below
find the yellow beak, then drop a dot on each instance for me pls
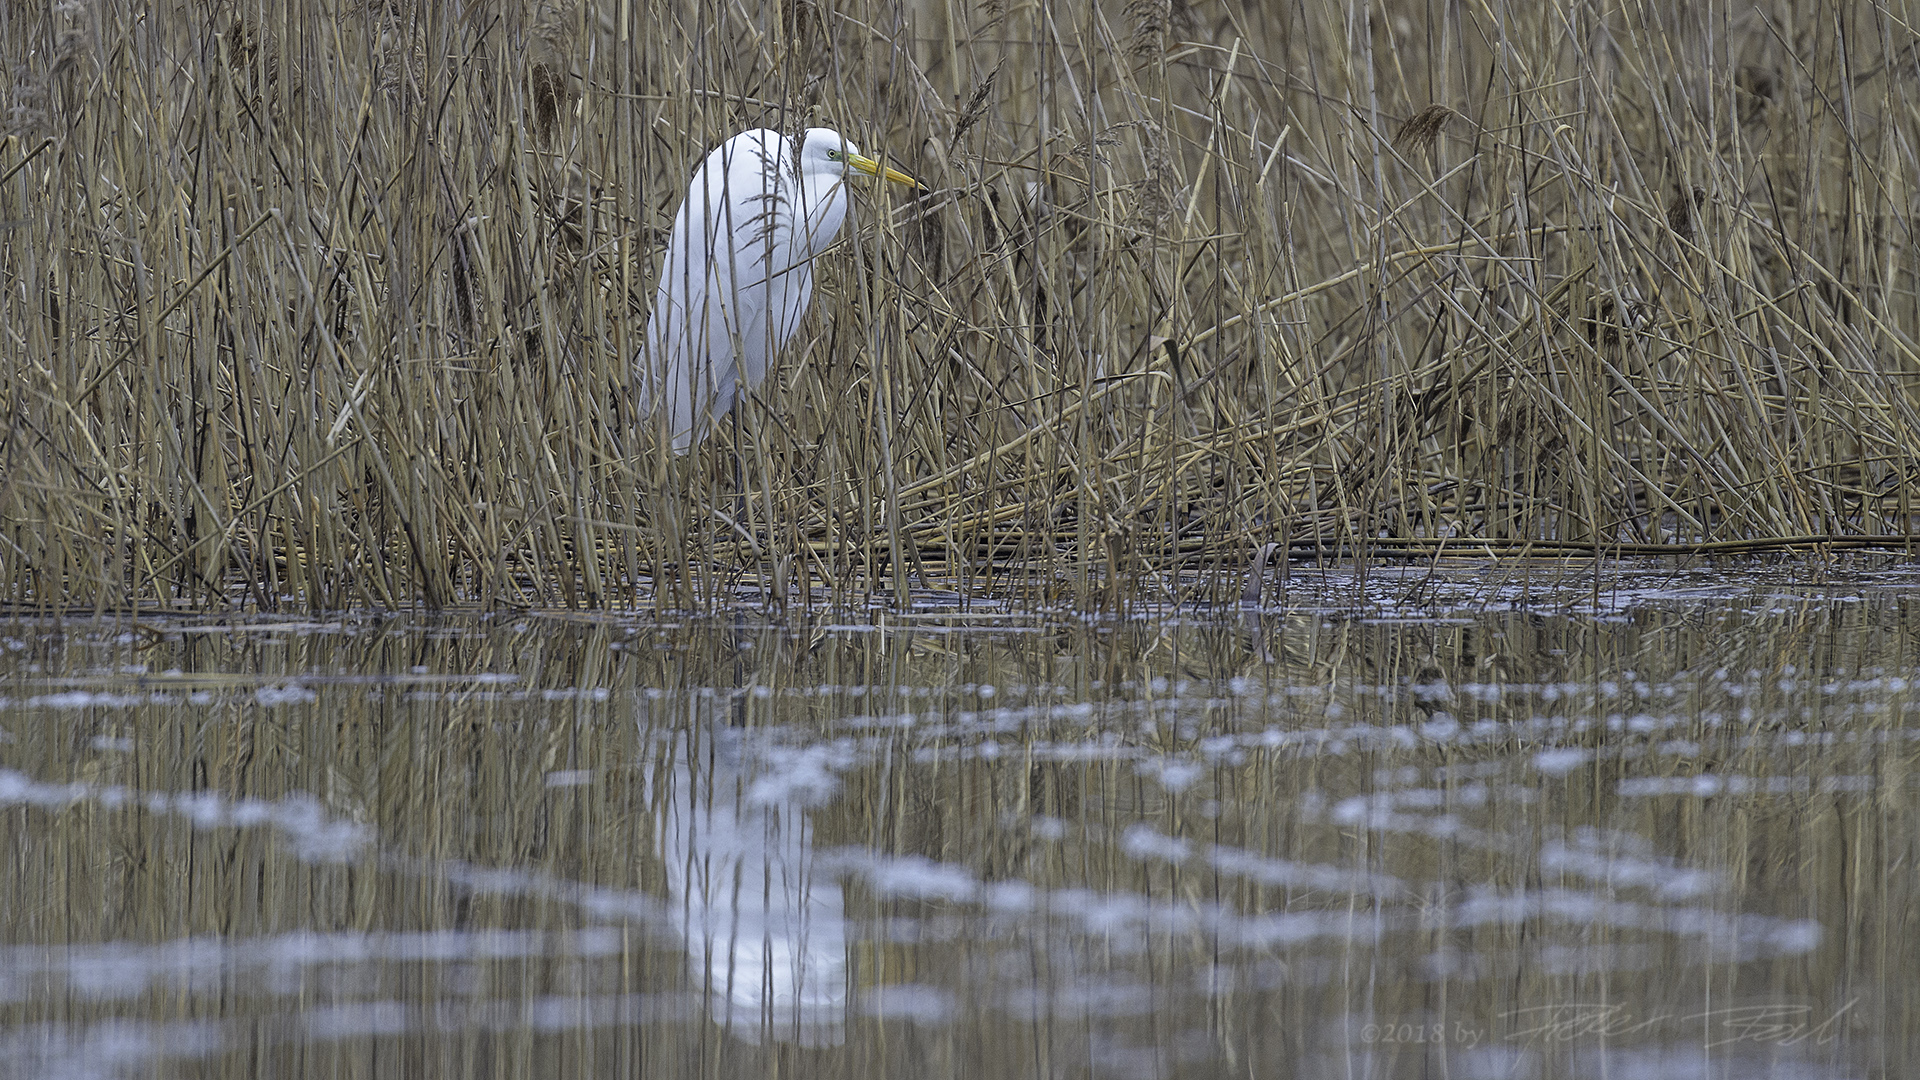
(873, 168)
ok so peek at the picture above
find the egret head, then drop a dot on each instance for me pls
(824, 151)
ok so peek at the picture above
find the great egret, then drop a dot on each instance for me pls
(739, 270)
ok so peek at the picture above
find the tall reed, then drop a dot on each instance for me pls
(325, 305)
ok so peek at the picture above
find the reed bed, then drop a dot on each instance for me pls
(328, 305)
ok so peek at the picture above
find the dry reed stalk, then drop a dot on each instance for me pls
(333, 305)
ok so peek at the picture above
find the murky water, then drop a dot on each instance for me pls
(1487, 826)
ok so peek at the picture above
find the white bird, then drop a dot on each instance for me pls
(739, 271)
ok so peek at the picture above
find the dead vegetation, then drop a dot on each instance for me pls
(331, 305)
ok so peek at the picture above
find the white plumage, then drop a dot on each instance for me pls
(739, 271)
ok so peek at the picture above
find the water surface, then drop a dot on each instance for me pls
(1486, 824)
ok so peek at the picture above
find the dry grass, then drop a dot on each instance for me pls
(330, 305)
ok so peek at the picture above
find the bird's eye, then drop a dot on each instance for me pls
(833, 155)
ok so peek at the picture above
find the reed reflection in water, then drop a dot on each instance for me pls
(1502, 831)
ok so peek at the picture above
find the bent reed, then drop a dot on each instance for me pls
(330, 305)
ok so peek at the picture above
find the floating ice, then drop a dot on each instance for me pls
(1143, 841)
(1562, 761)
(1174, 775)
(317, 835)
(927, 1005)
(270, 696)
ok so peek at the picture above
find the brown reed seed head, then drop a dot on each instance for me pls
(549, 92)
(1422, 128)
(1151, 20)
(1680, 212)
(976, 106)
(1757, 89)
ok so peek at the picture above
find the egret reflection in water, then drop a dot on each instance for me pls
(765, 931)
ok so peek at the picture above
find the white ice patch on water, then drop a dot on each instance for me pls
(1127, 922)
(1562, 761)
(1378, 813)
(927, 1005)
(1011, 897)
(1174, 775)
(914, 876)
(87, 699)
(271, 696)
(104, 1050)
(1284, 873)
(1142, 841)
(1708, 785)
(1588, 857)
(1742, 937)
(576, 693)
(317, 835)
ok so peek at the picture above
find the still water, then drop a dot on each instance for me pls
(1479, 825)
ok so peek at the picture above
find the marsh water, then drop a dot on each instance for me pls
(1475, 824)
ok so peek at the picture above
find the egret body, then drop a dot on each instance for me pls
(739, 271)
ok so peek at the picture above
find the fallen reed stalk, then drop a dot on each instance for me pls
(333, 305)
